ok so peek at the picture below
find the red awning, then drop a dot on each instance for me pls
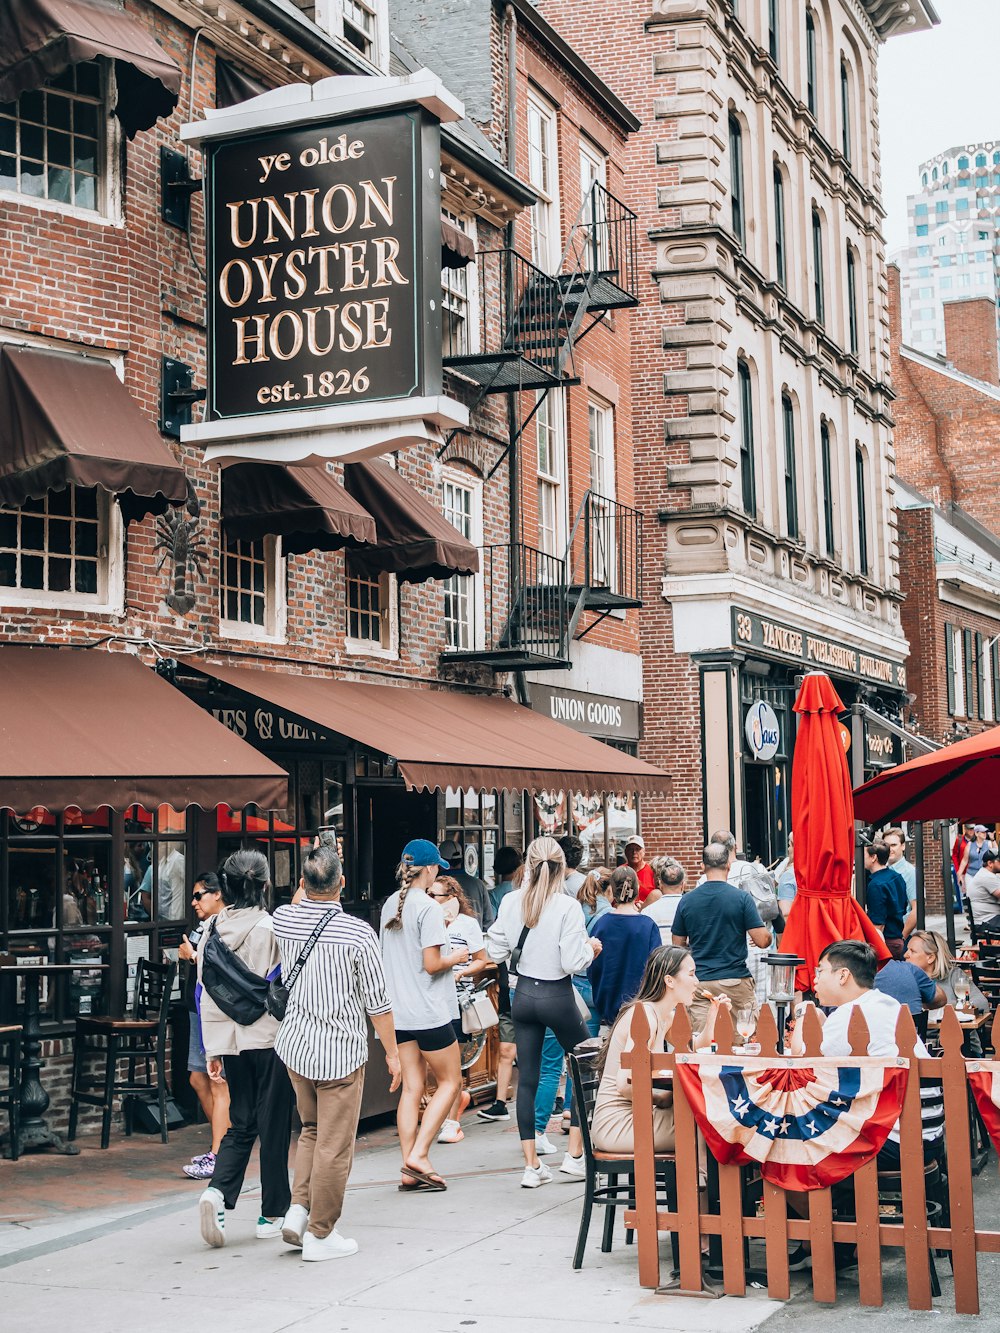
(960, 781)
(457, 249)
(41, 39)
(69, 420)
(88, 728)
(304, 506)
(442, 738)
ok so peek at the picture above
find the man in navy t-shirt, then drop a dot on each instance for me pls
(911, 986)
(886, 897)
(713, 921)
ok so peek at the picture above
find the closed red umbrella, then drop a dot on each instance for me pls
(824, 909)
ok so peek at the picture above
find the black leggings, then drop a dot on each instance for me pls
(538, 1005)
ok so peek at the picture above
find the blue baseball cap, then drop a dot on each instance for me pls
(422, 852)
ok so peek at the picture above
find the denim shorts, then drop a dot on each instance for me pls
(196, 1052)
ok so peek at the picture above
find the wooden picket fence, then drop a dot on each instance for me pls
(741, 1216)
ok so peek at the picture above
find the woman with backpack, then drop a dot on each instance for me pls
(235, 956)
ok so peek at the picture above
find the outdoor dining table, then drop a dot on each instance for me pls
(979, 1140)
(35, 1132)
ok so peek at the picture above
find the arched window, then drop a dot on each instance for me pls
(736, 178)
(779, 226)
(980, 159)
(773, 34)
(748, 478)
(852, 302)
(934, 173)
(944, 168)
(845, 110)
(811, 61)
(791, 483)
(861, 480)
(819, 290)
(963, 164)
(826, 470)
(923, 179)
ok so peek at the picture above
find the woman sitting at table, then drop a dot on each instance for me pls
(668, 981)
(929, 951)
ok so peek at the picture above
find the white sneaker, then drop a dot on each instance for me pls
(574, 1166)
(268, 1229)
(334, 1246)
(293, 1229)
(535, 1176)
(543, 1146)
(451, 1132)
(212, 1212)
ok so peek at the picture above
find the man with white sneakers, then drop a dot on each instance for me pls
(323, 1042)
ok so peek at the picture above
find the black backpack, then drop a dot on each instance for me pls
(239, 993)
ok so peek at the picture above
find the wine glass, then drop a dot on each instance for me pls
(745, 1024)
(961, 985)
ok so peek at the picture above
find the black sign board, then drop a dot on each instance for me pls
(593, 714)
(883, 748)
(815, 652)
(324, 265)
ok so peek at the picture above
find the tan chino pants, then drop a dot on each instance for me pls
(741, 993)
(329, 1110)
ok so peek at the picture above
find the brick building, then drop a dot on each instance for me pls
(760, 399)
(263, 592)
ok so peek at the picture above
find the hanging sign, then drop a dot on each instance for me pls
(762, 731)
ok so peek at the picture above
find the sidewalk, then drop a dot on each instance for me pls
(109, 1243)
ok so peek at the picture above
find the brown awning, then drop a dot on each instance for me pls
(89, 728)
(233, 85)
(441, 738)
(457, 249)
(415, 541)
(302, 505)
(69, 420)
(40, 39)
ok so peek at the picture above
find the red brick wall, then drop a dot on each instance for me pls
(971, 338)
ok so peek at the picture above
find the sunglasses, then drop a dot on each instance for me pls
(203, 893)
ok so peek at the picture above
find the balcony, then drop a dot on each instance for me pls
(525, 613)
(599, 271)
(604, 558)
(520, 322)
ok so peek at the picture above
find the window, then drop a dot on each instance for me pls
(550, 432)
(458, 304)
(779, 226)
(945, 284)
(984, 679)
(980, 159)
(920, 210)
(923, 179)
(944, 168)
(861, 482)
(819, 297)
(54, 140)
(55, 551)
(940, 208)
(594, 172)
(982, 181)
(371, 609)
(361, 27)
(922, 229)
(826, 468)
(462, 505)
(954, 670)
(748, 479)
(852, 302)
(736, 178)
(811, 61)
(773, 33)
(603, 543)
(923, 251)
(543, 174)
(963, 164)
(252, 588)
(962, 205)
(791, 491)
(845, 110)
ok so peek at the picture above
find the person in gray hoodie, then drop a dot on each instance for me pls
(260, 1093)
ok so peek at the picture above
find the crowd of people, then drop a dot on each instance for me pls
(280, 1003)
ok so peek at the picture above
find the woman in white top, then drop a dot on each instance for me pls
(541, 930)
(464, 934)
(418, 972)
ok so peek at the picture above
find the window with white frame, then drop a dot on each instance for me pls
(543, 174)
(361, 27)
(459, 300)
(550, 432)
(371, 609)
(956, 668)
(54, 140)
(986, 687)
(603, 554)
(594, 172)
(252, 588)
(63, 549)
(462, 505)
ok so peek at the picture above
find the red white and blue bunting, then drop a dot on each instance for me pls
(984, 1079)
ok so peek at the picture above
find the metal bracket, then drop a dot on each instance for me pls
(176, 187)
(177, 393)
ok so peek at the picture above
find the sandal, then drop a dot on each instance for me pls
(430, 1180)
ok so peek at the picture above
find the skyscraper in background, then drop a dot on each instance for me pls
(953, 249)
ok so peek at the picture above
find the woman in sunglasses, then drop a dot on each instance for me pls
(213, 1096)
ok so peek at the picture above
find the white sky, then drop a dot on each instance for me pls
(936, 89)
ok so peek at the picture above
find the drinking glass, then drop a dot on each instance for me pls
(961, 990)
(745, 1024)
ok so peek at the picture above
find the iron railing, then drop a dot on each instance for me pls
(602, 244)
(525, 612)
(604, 553)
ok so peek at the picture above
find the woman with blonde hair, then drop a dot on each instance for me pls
(540, 930)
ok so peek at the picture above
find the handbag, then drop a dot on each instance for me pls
(582, 1006)
(478, 1012)
(240, 993)
(277, 990)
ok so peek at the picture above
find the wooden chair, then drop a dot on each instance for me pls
(615, 1193)
(10, 1095)
(890, 1201)
(140, 1038)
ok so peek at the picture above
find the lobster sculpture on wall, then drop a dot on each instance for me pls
(180, 542)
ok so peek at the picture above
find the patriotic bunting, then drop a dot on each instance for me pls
(984, 1078)
(809, 1123)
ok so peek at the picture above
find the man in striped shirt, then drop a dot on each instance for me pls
(323, 1041)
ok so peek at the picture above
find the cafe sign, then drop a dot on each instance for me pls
(814, 651)
(323, 218)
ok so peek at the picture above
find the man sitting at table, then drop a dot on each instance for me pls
(983, 891)
(845, 979)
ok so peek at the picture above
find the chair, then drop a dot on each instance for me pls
(890, 1200)
(613, 1195)
(10, 1095)
(142, 1037)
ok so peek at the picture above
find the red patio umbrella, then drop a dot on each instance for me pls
(824, 909)
(957, 781)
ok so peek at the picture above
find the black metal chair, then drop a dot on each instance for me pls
(10, 1094)
(615, 1193)
(141, 1038)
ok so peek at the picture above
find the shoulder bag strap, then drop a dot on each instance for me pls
(515, 953)
(307, 949)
